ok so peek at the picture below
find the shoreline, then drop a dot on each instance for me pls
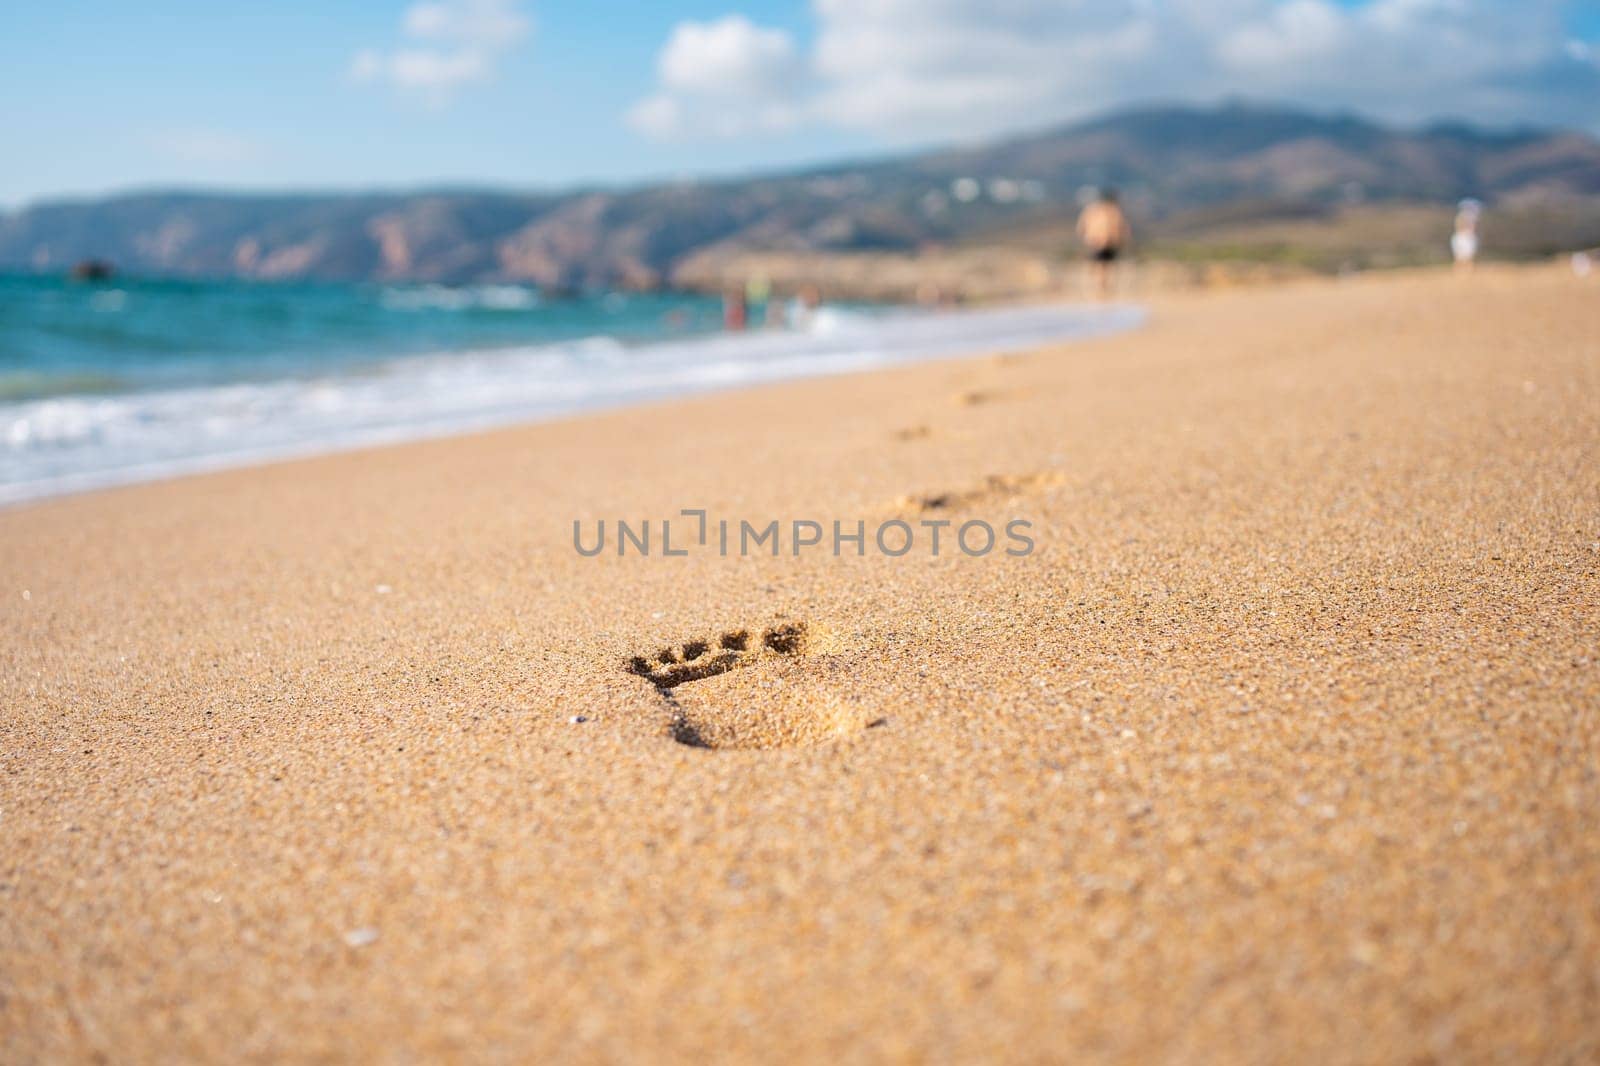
(538, 392)
(1279, 745)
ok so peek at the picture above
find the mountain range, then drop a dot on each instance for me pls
(1172, 165)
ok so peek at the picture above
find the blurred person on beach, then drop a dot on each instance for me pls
(804, 307)
(735, 310)
(757, 295)
(1464, 241)
(1104, 231)
(777, 313)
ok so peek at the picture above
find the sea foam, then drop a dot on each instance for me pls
(71, 443)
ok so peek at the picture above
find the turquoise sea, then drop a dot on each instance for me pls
(125, 380)
(61, 337)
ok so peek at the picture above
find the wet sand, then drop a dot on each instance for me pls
(1282, 743)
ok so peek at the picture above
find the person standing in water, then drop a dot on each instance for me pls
(1104, 231)
(735, 310)
(1464, 241)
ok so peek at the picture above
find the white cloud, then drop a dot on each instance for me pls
(659, 116)
(1291, 33)
(730, 54)
(726, 77)
(206, 147)
(947, 68)
(450, 44)
(911, 68)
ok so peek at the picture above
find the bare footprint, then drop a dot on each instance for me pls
(783, 687)
(911, 433)
(977, 397)
(994, 488)
(696, 660)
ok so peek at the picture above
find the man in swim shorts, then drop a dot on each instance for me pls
(1104, 231)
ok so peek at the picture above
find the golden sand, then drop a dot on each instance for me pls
(1282, 744)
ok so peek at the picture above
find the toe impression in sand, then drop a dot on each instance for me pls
(777, 687)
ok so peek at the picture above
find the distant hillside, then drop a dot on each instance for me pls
(1174, 165)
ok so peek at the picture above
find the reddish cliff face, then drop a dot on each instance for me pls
(432, 239)
(560, 249)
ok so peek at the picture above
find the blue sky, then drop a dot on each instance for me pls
(296, 94)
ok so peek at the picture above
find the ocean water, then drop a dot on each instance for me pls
(110, 383)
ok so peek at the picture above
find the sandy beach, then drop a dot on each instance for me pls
(1281, 744)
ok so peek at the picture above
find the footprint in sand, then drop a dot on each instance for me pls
(696, 660)
(977, 397)
(911, 433)
(787, 685)
(994, 488)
